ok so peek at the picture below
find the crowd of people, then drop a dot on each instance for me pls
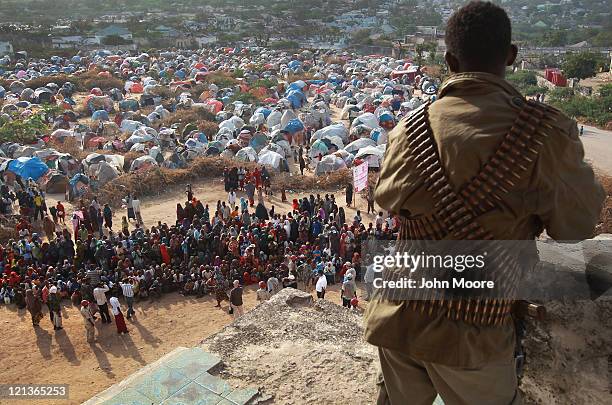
(212, 250)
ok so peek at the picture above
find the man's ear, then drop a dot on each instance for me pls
(452, 62)
(512, 52)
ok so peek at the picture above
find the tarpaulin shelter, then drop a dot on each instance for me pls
(318, 147)
(367, 119)
(258, 141)
(28, 167)
(273, 160)
(78, 186)
(247, 154)
(357, 144)
(337, 129)
(293, 126)
(100, 115)
(329, 164)
(143, 162)
(56, 184)
(371, 154)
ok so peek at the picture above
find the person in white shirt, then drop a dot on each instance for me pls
(99, 294)
(321, 285)
(119, 320)
(231, 198)
(128, 292)
(368, 279)
(380, 220)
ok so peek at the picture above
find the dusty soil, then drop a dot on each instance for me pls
(44, 356)
(568, 355)
(299, 351)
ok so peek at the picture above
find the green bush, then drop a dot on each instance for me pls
(593, 109)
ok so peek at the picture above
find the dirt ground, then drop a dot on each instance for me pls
(43, 356)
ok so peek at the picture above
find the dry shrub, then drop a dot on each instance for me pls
(156, 180)
(44, 80)
(89, 80)
(292, 77)
(605, 225)
(433, 70)
(184, 117)
(332, 60)
(197, 90)
(221, 79)
(330, 181)
(209, 128)
(71, 146)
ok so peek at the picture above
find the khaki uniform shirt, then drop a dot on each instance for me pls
(559, 193)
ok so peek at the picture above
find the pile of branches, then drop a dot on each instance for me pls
(158, 179)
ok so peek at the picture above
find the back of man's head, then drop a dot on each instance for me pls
(479, 36)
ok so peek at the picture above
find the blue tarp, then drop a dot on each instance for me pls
(293, 126)
(101, 115)
(297, 99)
(294, 64)
(79, 177)
(27, 167)
(264, 111)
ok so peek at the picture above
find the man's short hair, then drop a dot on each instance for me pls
(479, 34)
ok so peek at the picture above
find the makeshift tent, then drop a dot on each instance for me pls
(56, 184)
(247, 154)
(105, 173)
(318, 147)
(274, 161)
(274, 118)
(328, 164)
(100, 115)
(357, 144)
(78, 186)
(294, 126)
(367, 119)
(258, 141)
(142, 163)
(371, 154)
(26, 167)
(337, 129)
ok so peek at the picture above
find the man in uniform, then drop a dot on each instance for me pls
(483, 133)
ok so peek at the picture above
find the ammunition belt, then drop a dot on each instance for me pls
(455, 214)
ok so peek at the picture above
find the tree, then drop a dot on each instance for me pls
(581, 65)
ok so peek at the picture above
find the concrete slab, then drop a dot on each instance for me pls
(179, 378)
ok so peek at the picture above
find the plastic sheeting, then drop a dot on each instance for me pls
(247, 154)
(357, 144)
(26, 167)
(337, 129)
(329, 164)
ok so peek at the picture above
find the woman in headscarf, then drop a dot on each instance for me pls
(34, 306)
(220, 287)
(261, 212)
(118, 314)
(164, 253)
(49, 227)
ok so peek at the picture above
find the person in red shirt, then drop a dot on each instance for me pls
(61, 212)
